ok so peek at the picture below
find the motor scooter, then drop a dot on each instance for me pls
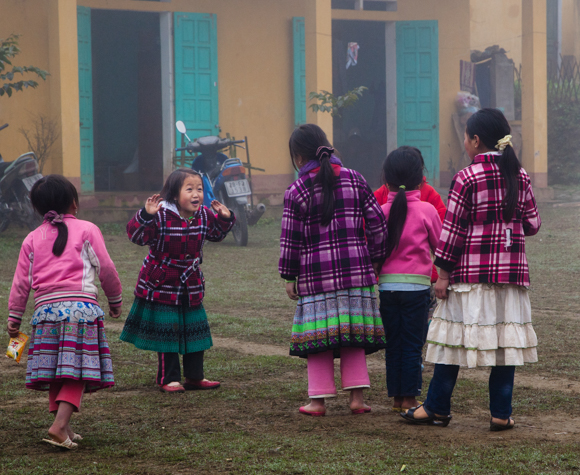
(16, 180)
(224, 179)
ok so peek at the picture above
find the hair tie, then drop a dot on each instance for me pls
(503, 143)
(324, 152)
(402, 187)
(53, 217)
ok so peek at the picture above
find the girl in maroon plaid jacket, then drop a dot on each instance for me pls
(484, 317)
(327, 258)
(168, 316)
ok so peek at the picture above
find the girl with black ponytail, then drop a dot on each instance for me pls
(413, 227)
(333, 240)
(68, 352)
(484, 315)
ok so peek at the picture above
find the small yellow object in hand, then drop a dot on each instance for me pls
(16, 347)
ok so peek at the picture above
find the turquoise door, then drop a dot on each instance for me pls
(86, 99)
(299, 71)
(196, 73)
(418, 90)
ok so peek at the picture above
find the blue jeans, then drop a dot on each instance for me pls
(501, 386)
(404, 315)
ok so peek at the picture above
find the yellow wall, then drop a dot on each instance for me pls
(497, 22)
(571, 28)
(255, 60)
(18, 110)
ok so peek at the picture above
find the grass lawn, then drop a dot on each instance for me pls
(251, 424)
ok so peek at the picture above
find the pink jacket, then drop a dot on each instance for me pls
(70, 276)
(411, 261)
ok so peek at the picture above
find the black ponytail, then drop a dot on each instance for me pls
(403, 169)
(491, 126)
(310, 142)
(53, 196)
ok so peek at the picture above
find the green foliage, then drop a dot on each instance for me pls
(330, 103)
(563, 141)
(8, 50)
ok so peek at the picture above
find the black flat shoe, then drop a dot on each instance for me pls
(494, 427)
(430, 420)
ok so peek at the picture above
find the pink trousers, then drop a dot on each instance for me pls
(353, 372)
(66, 390)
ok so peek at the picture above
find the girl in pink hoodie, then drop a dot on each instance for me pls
(60, 261)
(413, 227)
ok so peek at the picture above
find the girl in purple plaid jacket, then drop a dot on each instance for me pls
(333, 234)
(484, 317)
(168, 316)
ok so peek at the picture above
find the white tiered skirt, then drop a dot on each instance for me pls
(483, 325)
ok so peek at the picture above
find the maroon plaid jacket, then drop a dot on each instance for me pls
(337, 256)
(476, 244)
(171, 269)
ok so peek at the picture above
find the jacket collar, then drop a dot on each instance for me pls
(173, 208)
(489, 157)
(414, 195)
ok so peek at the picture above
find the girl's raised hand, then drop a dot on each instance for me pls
(221, 210)
(153, 204)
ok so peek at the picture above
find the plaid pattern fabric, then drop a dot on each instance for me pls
(171, 269)
(476, 244)
(337, 256)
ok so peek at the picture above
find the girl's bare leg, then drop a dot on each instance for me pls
(59, 430)
(356, 399)
(316, 405)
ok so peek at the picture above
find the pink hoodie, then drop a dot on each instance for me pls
(70, 276)
(411, 261)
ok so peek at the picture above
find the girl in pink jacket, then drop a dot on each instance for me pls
(413, 228)
(60, 260)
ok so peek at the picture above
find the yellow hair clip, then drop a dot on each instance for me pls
(503, 143)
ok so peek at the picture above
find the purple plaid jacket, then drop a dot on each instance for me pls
(337, 256)
(171, 269)
(476, 244)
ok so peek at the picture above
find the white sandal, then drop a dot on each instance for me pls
(67, 444)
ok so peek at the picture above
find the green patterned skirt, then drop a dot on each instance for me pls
(329, 321)
(167, 328)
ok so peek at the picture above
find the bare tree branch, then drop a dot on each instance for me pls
(41, 137)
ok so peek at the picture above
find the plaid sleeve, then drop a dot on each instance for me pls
(454, 229)
(290, 238)
(142, 228)
(218, 227)
(375, 226)
(531, 217)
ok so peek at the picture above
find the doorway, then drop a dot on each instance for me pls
(360, 134)
(127, 103)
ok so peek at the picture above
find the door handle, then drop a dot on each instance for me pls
(434, 126)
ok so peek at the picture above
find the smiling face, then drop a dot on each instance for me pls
(191, 196)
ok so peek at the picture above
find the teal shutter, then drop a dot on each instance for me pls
(418, 90)
(86, 100)
(299, 71)
(196, 73)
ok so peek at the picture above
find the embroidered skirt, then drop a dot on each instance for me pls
(329, 321)
(167, 328)
(483, 325)
(68, 341)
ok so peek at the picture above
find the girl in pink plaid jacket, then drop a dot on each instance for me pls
(484, 315)
(168, 316)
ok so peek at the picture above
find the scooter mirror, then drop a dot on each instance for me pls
(180, 127)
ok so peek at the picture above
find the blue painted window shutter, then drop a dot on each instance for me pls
(86, 99)
(418, 90)
(196, 73)
(299, 70)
